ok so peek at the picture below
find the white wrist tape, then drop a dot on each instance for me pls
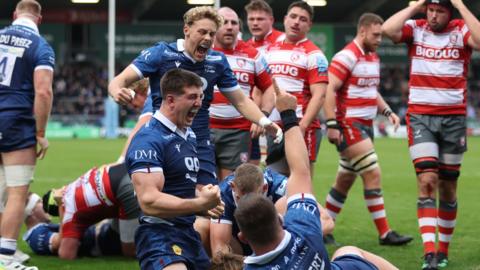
(264, 121)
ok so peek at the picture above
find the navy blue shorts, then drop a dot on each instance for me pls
(352, 262)
(159, 245)
(255, 149)
(206, 155)
(17, 133)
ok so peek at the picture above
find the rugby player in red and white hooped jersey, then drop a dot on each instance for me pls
(260, 24)
(439, 49)
(230, 130)
(351, 105)
(300, 68)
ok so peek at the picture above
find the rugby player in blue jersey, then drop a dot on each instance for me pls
(26, 74)
(194, 54)
(246, 179)
(163, 164)
(298, 243)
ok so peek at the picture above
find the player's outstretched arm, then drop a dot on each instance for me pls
(295, 148)
(392, 28)
(154, 202)
(250, 110)
(118, 86)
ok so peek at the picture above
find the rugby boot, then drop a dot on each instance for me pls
(394, 239)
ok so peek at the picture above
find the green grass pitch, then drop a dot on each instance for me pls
(68, 159)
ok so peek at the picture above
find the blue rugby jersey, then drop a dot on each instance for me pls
(22, 50)
(276, 182)
(302, 246)
(160, 147)
(155, 61)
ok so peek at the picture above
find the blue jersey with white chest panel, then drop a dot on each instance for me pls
(276, 189)
(160, 147)
(154, 62)
(302, 246)
(22, 51)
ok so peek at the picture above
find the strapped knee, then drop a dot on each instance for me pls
(426, 164)
(345, 167)
(19, 175)
(448, 172)
(365, 162)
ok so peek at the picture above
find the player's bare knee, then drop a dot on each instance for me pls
(347, 250)
(18, 175)
(66, 254)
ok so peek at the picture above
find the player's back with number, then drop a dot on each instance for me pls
(22, 50)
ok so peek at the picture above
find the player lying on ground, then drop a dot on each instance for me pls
(101, 193)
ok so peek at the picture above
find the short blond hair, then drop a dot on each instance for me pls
(29, 6)
(202, 12)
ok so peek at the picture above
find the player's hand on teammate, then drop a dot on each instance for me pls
(270, 127)
(140, 92)
(42, 148)
(209, 197)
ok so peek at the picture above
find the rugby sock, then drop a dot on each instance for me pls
(376, 207)
(8, 246)
(427, 221)
(447, 214)
(335, 201)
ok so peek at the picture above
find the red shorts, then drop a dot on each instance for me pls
(354, 131)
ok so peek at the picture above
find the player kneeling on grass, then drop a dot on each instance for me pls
(99, 194)
(296, 241)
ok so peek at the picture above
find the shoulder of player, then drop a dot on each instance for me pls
(214, 56)
(247, 49)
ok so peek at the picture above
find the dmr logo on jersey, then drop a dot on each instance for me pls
(309, 207)
(284, 69)
(447, 53)
(145, 154)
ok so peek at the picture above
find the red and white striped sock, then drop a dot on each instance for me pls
(447, 217)
(376, 207)
(427, 221)
(335, 201)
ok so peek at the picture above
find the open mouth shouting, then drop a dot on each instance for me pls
(201, 51)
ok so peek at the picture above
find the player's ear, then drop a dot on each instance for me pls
(186, 29)
(14, 15)
(264, 188)
(242, 238)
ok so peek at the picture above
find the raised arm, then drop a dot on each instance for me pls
(392, 28)
(295, 148)
(118, 86)
(471, 21)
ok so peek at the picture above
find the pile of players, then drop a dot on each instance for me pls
(162, 195)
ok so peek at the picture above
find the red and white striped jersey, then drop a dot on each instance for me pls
(360, 72)
(250, 69)
(295, 67)
(270, 38)
(438, 68)
(90, 198)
